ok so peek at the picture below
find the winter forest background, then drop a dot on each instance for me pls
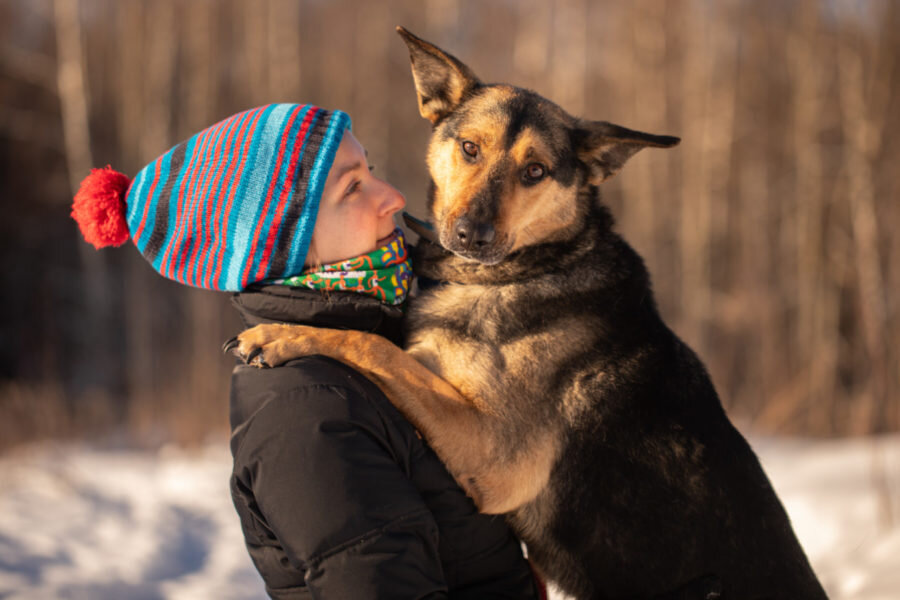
(770, 234)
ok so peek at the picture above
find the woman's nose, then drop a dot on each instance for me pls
(391, 200)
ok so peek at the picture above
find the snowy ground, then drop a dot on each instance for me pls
(77, 522)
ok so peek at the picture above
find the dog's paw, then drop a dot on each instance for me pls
(270, 345)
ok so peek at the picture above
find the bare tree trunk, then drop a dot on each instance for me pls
(73, 98)
(139, 301)
(158, 78)
(862, 127)
(370, 77)
(251, 63)
(93, 368)
(205, 389)
(881, 95)
(753, 252)
(531, 47)
(285, 56)
(129, 59)
(817, 300)
(645, 207)
(569, 64)
(696, 209)
(198, 62)
(152, 65)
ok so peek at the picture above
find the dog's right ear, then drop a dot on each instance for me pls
(442, 81)
(604, 147)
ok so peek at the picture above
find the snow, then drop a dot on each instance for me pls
(843, 497)
(83, 522)
(77, 522)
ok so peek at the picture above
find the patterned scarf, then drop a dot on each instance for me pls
(384, 273)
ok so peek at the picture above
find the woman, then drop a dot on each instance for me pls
(338, 496)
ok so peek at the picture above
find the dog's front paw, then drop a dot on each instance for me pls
(271, 345)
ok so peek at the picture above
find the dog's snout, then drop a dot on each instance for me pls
(473, 234)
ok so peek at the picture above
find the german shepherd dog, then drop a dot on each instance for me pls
(541, 372)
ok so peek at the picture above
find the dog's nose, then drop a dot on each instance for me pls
(472, 234)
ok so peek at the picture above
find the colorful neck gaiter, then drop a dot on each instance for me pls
(385, 273)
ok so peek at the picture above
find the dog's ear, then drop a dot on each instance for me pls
(604, 147)
(442, 81)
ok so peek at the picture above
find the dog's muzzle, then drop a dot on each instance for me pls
(474, 240)
(473, 236)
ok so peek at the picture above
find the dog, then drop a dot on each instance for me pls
(541, 372)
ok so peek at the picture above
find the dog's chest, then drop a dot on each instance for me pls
(496, 342)
(456, 333)
(473, 313)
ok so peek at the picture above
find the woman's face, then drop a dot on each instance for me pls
(356, 212)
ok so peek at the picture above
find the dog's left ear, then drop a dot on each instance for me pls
(442, 81)
(604, 147)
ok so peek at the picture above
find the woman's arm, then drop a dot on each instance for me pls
(325, 502)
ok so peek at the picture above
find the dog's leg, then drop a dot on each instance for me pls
(461, 431)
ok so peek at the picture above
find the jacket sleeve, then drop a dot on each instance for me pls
(333, 510)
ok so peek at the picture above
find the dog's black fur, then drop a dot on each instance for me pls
(653, 486)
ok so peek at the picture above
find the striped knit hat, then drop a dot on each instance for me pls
(233, 205)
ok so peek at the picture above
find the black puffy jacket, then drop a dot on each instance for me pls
(338, 496)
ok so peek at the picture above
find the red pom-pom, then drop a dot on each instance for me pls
(99, 208)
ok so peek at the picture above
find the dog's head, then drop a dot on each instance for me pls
(508, 167)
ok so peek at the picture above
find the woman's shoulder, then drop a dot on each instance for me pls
(303, 374)
(307, 392)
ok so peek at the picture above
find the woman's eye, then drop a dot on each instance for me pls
(534, 172)
(371, 168)
(353, 188)
(470, 149)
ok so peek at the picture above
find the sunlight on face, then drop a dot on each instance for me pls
(357, 209)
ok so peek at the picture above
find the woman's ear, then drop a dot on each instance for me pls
(604, 147)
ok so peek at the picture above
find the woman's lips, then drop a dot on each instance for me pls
(386, 239)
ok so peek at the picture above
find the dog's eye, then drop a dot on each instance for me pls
(534, 172)
(470, 149)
